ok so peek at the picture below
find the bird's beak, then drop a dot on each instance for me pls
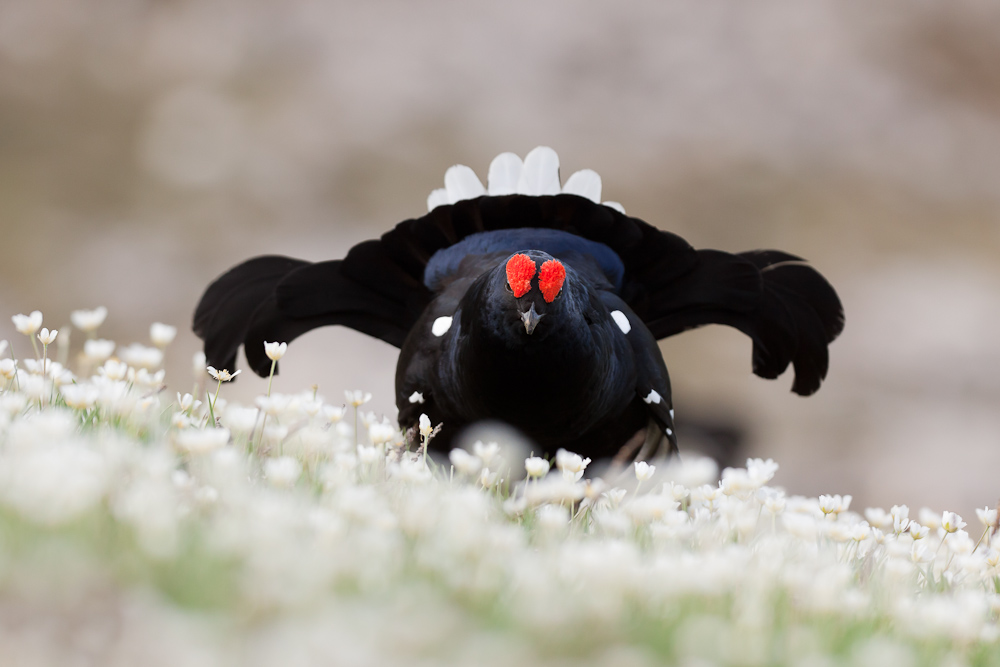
(531, 319)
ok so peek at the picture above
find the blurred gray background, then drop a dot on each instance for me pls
(147, 146)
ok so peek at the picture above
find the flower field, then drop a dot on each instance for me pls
(140, 524)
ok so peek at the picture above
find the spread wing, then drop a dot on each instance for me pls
(382, 286)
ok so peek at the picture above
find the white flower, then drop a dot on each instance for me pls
(773, 500)
(860, 531)
(917, 531)
(380, 432)
(367, 455)
(140, 356)
(143, 378)
(98, 349)
(275, 351)
(88, 320)
(487, 478)
(333, 413)
(187, 402)
(114, 370)
(485, 451)
(552, 517)
(929, 518)
(834, 504)
(900, 518)
(283, 471)
(200, 441)
(736, 482)
(536, 467)
(643, 471)
(38, 366)
(408, 470)
(571, 465)
(649, 507)
(920, 554)
(222, 376)
(878, 517)
(28, 324)
(272, 405)
(987, 516)
(615, 496)
(760, 471)
(951, 522)
(425, 425)
(464, 462)
(161, 334)
(357, 398)
(80, 396)
(8, 368)
(182, 420)
(53, 484)
(198, 363)
(46, 336)
(236, 418)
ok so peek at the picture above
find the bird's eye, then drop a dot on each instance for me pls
(507, 287)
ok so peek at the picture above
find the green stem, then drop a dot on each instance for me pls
(45, 360)
(211, 402)
(271, 376)
(981, 538)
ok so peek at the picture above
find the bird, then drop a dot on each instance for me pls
(535, 304)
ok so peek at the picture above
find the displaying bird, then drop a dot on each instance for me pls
(535, 304)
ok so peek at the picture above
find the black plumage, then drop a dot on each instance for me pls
(589, 377)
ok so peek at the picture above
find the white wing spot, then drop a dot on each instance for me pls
(416, 397)
(669, 432)
(441, 325)
(653, 397)
(671, 413)
(622, 321)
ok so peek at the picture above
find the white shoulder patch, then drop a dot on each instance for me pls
(653, 397)
(441, 326)
(621, 320)
(416, 397)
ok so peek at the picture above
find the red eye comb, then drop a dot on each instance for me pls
(520, 271)
(550, 279)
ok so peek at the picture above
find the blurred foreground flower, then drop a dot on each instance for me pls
(28, 324)
(288, 536)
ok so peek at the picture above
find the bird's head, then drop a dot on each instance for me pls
(526, 296)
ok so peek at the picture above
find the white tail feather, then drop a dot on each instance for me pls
(505, 172)
(437, 198)
(540, 175)
(585, 183)
(462, 183)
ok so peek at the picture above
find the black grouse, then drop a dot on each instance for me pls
(535, 304)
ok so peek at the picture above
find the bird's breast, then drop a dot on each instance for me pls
(553, 389)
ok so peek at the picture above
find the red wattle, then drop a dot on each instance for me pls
(550, 279)
(520, 271)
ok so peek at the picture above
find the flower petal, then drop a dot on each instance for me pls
(505, 172)
(615, 205)
(540, 175)
(585, 183)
